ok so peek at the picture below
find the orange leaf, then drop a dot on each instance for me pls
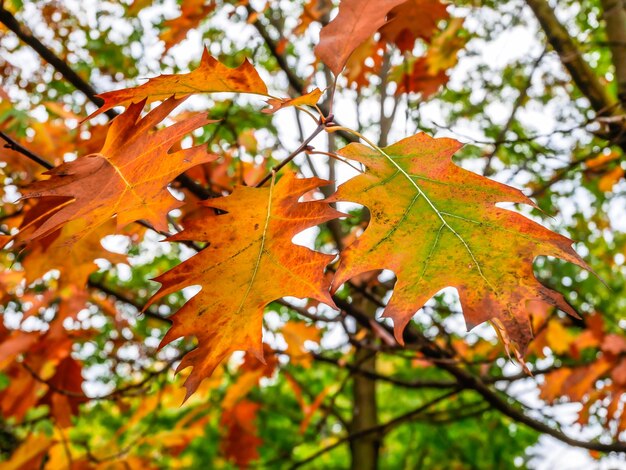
(552, 387)
(558, 337)
(192, 13)
(458, 237)
(211, 76)
(358, 68)
(241, 442)
(30, 454)
(613, 344)
(356, 21)
(311, 98)
(411, 20)
(312, 10)
(610, 179)
(250, 261)
(619, 373)
(296, 334)
(74, 265)
(127, 178)
(418, 78)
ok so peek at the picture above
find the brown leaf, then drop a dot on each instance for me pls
(412, 20)
(241, 442)
(127, 178)
(417, 78)
(356, 21)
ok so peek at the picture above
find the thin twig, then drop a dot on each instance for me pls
(291, 156)
(15, 146)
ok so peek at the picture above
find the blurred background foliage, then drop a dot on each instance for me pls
(82, 382)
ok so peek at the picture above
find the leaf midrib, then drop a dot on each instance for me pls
(439, 214)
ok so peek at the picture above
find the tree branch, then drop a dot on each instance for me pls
(64, 69)
(11, 22)
(13, 145)
(492, 397)
(380, 429)
(436, 384)
(292, 155)
(571, 57)
(127, 300)
(296, 82)
(519, 101)
(615, 18)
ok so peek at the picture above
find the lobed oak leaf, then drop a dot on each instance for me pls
(358, 68)
(191, 15)
(249, 262)
(296, 334)
(75, 266)
(417, 78)
(356, 21)
(241, 441)
(412, 20)
(443, 51)
(312, 10)
(211, 76)
(127, 178)
(436, 225)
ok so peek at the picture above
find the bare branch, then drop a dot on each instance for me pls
(11, 22)
(615, 17)
(13, 145)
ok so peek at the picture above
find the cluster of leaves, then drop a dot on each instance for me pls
(230, 210)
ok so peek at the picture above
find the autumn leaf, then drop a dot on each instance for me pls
(249, 262)
(241, 441)
(356, 21)
(67, 377)
(75, 266)
(558, 337)
(191, 15)
(211, 76)
(29, 454)
(251, 372)
(309, 99)
(312, 10)
(412, 20)
(296, 334)
(417, 78)
(308, 410)
(358, 67)
(443, 51)
(127, 178)
(447, 216)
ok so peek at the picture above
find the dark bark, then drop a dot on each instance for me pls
(365, 449)
(615, 18)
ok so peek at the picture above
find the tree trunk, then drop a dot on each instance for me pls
(364, 449)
